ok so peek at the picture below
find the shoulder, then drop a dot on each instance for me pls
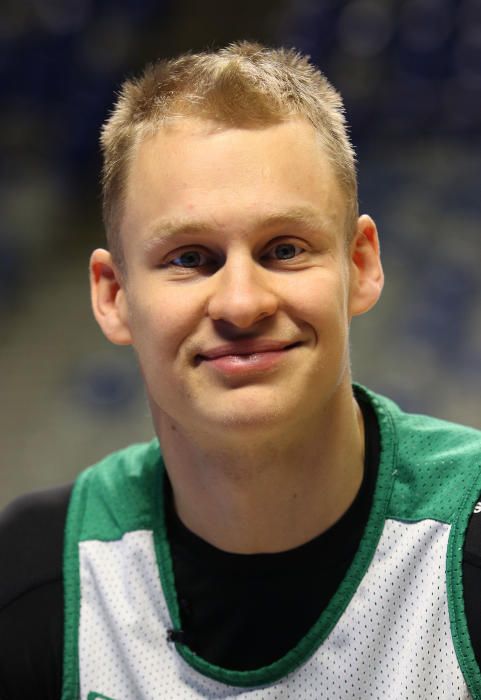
(436, 464)
(133, 463)
(31, 594)
(31, 541)
(422, 433)
(115, 495)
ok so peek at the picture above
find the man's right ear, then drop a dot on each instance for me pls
(109, 302)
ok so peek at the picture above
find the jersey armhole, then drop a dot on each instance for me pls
(455, 590)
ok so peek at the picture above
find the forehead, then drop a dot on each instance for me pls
(196, 169)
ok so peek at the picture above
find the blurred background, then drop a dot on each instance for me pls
(410, 74)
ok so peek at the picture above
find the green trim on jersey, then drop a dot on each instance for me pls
(428, 469)
(331, 614)
(109, 499)
(454, 582)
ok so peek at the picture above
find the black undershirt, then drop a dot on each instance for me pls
(254, 607)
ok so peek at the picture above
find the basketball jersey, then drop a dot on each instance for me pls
(395, 628)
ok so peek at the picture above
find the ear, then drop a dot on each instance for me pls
(367, 277)
(109, 302)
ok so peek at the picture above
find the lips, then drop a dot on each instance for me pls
(244, 347)
(246, 358)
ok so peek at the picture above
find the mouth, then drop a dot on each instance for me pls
(246, 356)
(246, 348)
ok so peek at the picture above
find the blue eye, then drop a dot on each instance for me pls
(191, 258)
(285, 251)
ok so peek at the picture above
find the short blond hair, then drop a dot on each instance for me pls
(243, 85)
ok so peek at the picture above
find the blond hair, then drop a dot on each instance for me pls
(243, 85)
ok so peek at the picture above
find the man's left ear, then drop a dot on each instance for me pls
(367, 277)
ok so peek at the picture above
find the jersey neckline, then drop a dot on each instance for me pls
(314, 638)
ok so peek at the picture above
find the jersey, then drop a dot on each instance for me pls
(395, 628)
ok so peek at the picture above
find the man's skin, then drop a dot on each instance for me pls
(237, 296)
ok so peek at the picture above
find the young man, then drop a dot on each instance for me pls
(297, 538)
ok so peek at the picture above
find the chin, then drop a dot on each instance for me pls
(251, 415)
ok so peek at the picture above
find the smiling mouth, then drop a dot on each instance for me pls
(242, 350)
(238, 360)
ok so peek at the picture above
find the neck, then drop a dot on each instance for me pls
(269, 492)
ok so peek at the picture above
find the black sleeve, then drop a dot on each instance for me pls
(472, 580)
(31, 595)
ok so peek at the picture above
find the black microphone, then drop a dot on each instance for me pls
(176, 636)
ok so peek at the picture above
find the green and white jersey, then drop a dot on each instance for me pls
(394, 629)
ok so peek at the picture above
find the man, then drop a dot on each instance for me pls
(298, 538)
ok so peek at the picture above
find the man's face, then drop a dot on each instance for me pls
(238, 293)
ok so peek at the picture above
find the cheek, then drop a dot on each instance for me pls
(323, 302)
(160, 327)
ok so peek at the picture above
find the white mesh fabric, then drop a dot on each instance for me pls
(392, 641)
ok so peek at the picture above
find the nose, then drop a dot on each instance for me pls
(243, 293)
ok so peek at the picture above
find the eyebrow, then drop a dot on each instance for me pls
(307, 217)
